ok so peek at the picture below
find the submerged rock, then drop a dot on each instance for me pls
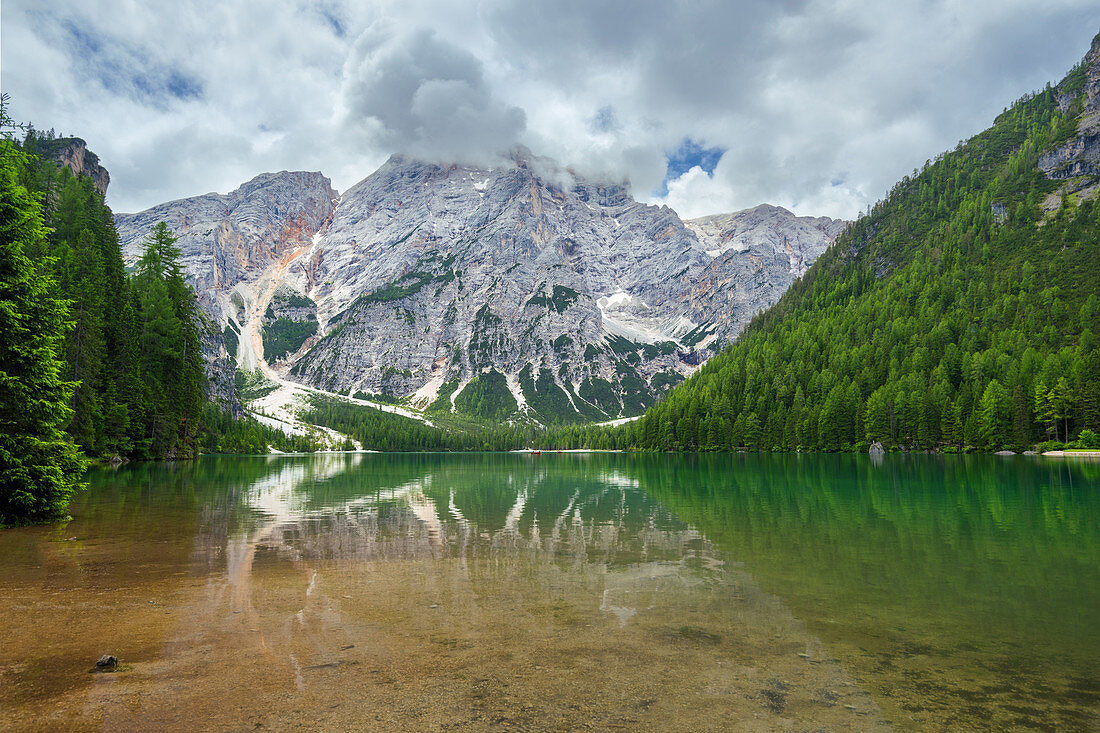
(106, 663)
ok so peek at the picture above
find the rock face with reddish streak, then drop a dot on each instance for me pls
(228, 242)
(227, 239)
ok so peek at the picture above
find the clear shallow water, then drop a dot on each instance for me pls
(494, 592)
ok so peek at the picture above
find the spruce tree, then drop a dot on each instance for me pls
(39, 466)
(170, 350)
(86, 347)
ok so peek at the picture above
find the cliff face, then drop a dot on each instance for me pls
(73, 153)
(758, 253)
(230, 243)
(231, 239)
(425, 278)
(430, 275)
(1079, 158)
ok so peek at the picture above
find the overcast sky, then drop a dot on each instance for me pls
(815, 105)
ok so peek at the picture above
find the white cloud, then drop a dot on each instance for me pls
(820, 104)
(696, 193)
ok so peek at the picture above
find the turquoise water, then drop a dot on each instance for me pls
(952, 592)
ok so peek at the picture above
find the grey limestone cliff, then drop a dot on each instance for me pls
(228, 243)
(758, 253)
(427, 280)
(1077, 161)
(227, 239)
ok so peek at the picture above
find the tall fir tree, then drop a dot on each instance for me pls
(40, 467)
(170, 350)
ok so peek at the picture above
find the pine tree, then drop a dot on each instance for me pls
(170, 350)
(40, 467)
(86, 346)
(995, 412)
(161, 364)
(1087, 374)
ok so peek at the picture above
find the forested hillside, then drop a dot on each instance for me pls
(133, 350)
(384, 431)
(125, 345)
(961, 312)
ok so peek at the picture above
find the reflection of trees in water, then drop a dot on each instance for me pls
(957, 553)
(931, 562)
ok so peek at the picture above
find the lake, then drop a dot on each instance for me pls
(562, 591)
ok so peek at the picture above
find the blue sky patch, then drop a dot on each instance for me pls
(691, 153)
(121, 67)
(333, 21)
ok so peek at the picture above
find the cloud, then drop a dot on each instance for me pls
(696, 193)
(412, 92)
(817, 105)
(120, 66)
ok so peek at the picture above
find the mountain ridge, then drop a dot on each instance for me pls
(563, 285)
(506, 235)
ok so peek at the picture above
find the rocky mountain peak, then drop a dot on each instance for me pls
(227, 238)
(767, 229)
(522, 282)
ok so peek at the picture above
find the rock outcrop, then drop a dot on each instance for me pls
(228, 243)
(758, 253)
(73, 153)
(1080, 156)
(229, 239)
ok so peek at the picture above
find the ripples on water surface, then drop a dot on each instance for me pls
(484, 592)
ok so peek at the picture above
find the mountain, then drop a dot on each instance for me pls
(961, 313)
(229, 239)
(758, 253)
(521, 288)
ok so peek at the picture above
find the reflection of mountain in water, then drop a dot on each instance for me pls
(339, 507)
(464, 589)
(954, 587)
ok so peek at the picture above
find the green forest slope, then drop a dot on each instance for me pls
(959, 313)
(95, 359)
